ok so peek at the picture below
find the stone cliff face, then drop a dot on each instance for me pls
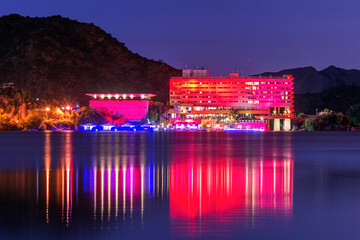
(58, 58)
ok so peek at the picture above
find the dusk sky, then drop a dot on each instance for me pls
(221, 35)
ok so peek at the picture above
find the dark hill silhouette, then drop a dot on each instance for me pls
(58, 58)
(344, 99)
(309, 80)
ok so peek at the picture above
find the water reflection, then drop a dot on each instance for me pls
(225, 195)
(59, 179)
(122, 178)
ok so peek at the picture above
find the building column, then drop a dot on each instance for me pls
(287, 124)
(276, 124)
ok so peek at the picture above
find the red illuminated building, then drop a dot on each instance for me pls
(133, 106)
(195, 95)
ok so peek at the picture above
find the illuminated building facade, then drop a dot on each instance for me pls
(196, 95)
(133, 106)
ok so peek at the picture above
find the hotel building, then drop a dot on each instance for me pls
(133, 106)
(195, 95)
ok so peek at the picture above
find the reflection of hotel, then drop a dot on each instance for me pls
(250, 191)
(197, 96)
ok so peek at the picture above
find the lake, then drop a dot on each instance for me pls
(180, 185)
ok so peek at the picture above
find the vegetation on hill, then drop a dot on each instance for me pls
(19, 111)
(62, 59)
(341, 99)
(326, 121)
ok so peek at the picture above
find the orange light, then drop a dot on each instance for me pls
(47, 109)
(67, 107)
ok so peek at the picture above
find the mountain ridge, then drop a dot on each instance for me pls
(58, 58)
(309, 80)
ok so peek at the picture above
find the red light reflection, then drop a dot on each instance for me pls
(204, 196)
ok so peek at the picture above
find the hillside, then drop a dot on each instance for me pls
(58, 58)
(340, 99)
(309, 80)
(55, 58)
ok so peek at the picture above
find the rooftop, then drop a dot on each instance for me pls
(235, 77)
(121, 95)
(204, 74)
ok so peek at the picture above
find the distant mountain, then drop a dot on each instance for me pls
(309, 80)
(58, 58)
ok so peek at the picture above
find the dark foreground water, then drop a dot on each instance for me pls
(180, 185)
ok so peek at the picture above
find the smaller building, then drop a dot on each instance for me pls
(7, 85)
(133, 106)
(89, 127)
(108, 127)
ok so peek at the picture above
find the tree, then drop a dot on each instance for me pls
(302, 116)
(152, 115)
(310, 124)
(354, 112)
(204, 126)
(298, 122)
(326, 111)
(156, 112)
(35, 120)
(89, 115)
(233, 114)
(7, 122)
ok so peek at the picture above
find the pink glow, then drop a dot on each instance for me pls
(204, 190)
(251, 125)
(185, 121)
(130, 109)
(120, 95)
(251, 95)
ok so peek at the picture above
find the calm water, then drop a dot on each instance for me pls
(180, 185)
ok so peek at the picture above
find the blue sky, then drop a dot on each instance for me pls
(221, 35)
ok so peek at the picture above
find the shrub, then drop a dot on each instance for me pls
(310, 124)
(35, 120)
